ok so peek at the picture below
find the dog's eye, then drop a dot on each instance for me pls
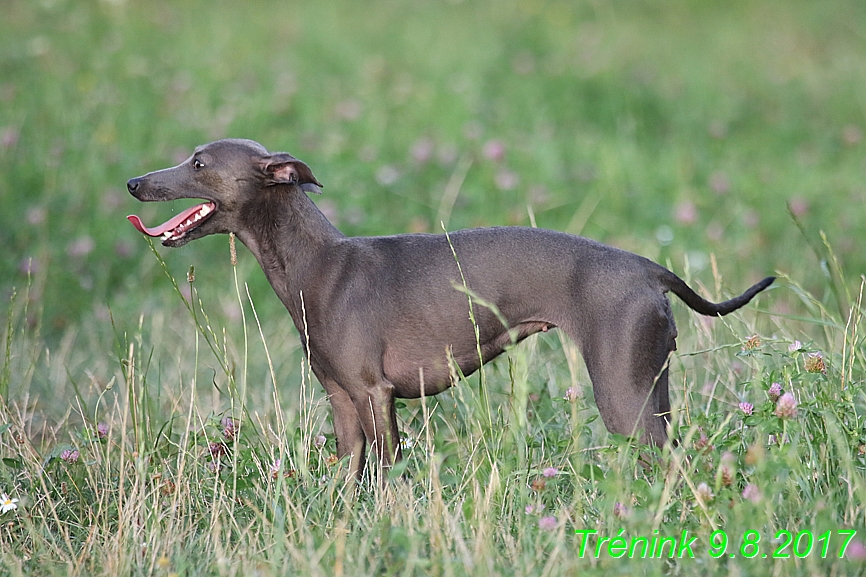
(197, 164)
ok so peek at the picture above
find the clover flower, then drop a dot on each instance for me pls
(856, 550)
(547, 523)
(775, 391)
(230, 428)
(727, 468)
(704, 493)
(571, 394)
(218, 449)
(550, 472)
(320, 441)
(70, 455)
(752, 343)
(815, 363)
(747, 408)
(754, 454)
(493, 150)
(274, 468)
(703, 442)
(786, 408)
(752, 493)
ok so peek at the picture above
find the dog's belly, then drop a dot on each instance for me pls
(421, 369)
(413, 379)
(415, 371)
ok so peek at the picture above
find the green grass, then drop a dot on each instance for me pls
(681, 131)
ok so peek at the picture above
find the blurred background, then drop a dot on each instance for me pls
(683, 131)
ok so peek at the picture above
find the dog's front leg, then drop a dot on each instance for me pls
(347, 425)
(378, 415)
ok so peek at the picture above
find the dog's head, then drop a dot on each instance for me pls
(225, 174)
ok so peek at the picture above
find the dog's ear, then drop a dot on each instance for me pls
(282, 168)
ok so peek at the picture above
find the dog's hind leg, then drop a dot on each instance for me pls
(626, 351)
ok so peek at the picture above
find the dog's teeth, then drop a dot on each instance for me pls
(205, 210)
(166, 235)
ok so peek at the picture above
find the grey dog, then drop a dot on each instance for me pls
(380, 317)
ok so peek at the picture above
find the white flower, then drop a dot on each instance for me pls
(7, 503)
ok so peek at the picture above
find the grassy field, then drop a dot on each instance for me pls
(157, 422)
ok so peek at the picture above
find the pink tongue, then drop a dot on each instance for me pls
(168, 225)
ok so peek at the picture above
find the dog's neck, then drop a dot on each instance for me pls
(288, 235)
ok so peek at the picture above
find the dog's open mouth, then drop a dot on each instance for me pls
(177, 227)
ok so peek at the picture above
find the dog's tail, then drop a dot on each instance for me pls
(699, 304)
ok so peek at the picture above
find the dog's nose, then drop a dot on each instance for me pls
(132, 185)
